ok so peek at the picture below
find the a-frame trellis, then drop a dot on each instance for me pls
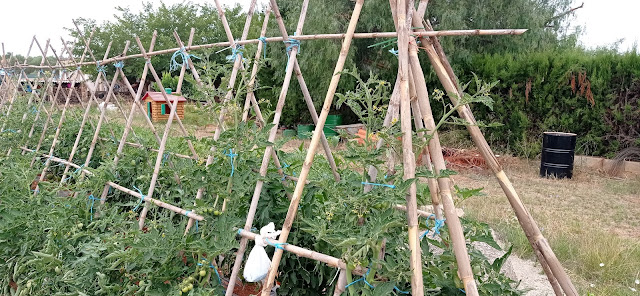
(410, 98)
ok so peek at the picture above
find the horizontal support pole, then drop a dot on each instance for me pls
(151, 149)
(301, 37)
(302, 252)
(161, 204)
(60, 160)
(421, 213)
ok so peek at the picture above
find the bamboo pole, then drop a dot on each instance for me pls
(555, 272)
(103, 112)
(475, 32)
(161, 204)
(136, 145)
(308, 101)
(62, 118)
(297, 194)
(188, 62)
(55, 98)
(237, 63)
(292, 53)
(138, 96)
(99, 124)
(59, 160)
(127, 127)
(417, 286)
(421, 213)
(425, 156)
(251, 100)
(184, 67)
(435, 150)
(173, 114)
(306, 253)
(341, 283)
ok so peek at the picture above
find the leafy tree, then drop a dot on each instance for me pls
(165, 19)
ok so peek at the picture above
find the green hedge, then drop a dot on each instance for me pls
(535, 94)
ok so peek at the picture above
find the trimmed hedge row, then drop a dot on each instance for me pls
(594, 94)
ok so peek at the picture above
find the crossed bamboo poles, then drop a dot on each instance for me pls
(410, 83)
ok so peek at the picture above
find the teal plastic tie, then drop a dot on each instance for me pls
(276, 245)
(393, 51)
(213, 267)
(379, 184)
(439, 223)
(142, 196)
(92, 199)
(231, 155)
(362, 279)
(291, 43)
(264, 44)
(102, 69)
(182, 53)
(119, 64)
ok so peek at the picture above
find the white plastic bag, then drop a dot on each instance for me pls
(258, 263)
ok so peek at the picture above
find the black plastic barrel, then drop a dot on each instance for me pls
(558, 150)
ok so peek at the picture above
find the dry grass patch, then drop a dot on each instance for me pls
(589, 220)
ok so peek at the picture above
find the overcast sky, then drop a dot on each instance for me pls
(605, 21)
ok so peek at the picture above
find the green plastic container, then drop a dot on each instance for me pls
(289, 133)
(333, 120)
(168, 90)
(304, 131)
(329, 131)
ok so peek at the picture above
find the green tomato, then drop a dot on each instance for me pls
(58, 270)
(217, 213)
(190, 286)
(477, 270)
(203, 272)
(190, 279)
(185, 290)
(80, 225)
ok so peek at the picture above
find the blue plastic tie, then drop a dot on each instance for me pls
(165, 157)
(142, 196)
(119, 64)
(92, 199)
(187, 214)
(276, 245)
(74, 172)
(400, 291)
(291, 43)
(212, 267)
(393, 52)
(102, 69)
(439, 223)
(378, 184)
(264, 44)
(235, 51)
(362, 279)
(34, 110)
(182, 52)
(9, 130)
(48, 159)
(231, 155)
(462, 291)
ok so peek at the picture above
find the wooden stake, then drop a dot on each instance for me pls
(417, 286)
(528, 224)
(297, 194)
(184, 66)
